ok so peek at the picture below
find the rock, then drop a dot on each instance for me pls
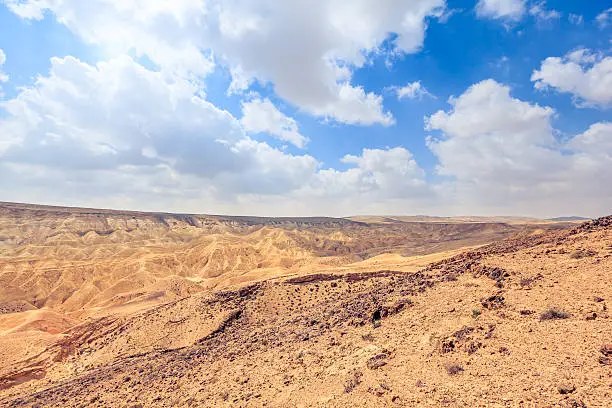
(566, 388)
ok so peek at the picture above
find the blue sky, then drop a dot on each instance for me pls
(368, 152)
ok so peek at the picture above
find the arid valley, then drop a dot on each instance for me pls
(130, 309)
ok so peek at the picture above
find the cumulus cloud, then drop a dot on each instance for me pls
(260, 115)
(388, 173)
(596, 140)
(413, 90)
(377, 181)
(264, 40)
(124, 121)
(501, 9)
(109, 114)
(116, 132)
(491, 136)
(501, 152)
(584, 74)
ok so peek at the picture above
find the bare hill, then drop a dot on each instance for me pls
(71, 259)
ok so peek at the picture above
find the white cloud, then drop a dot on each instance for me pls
(270, 41)
(500, 152)
(590, 167)
(596, 140)
(503, 133)
(584, 74)
(160, 29)
(116, 134)
(538, 11)
(260, 115)
(119, 135)
(413, 90)
(354, 106)
(271, 172)
(604, 18)
(3, 76)
(83, 124)
(111, 112)
(501, 9)
(576, 19)
(375, 175)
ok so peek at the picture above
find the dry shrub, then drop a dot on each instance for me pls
(453, 369)
(582, 253)
(526, 283)
(368, 337)
(554, 313)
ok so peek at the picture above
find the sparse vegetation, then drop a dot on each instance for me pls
(453, 369)
(493, 302)
(476, 313)
(447, 346)
(606, 351)
(451, 277)
(473, 347)
(554, 313)
(367, 337)
(582, 253)
(504, 350)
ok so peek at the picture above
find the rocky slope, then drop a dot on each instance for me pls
(520, 322)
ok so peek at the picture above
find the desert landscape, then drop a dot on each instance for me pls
(302, 203)
(131, 309)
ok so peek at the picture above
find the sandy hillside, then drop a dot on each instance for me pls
(103, 308)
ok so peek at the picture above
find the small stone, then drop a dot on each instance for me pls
(566, 388)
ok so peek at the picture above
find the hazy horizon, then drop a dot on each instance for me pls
(204, 213)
